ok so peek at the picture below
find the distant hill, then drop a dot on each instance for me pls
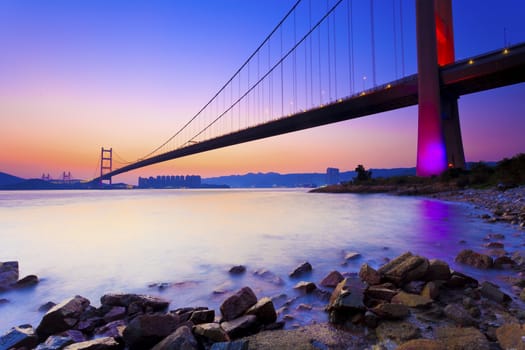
(6, 179)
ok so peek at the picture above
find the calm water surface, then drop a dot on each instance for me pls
(95, 242)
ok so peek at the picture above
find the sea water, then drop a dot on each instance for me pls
(180, 244)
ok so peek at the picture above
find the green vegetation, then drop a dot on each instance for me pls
(507, 173)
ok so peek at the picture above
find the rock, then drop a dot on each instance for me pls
(240, 327)
(459, 315)
(522, 294)
(238, 304)
(115, 313)
(237, 270)
(223, 288)
(496, 236)
(62, 316)
(77, 336)
(88, 325)
(398, 331)
(45, 307)
(211, 331)
(411, 300)
(8, 274)
(144, 331)
(511, 336)
(3, 301)
(414, 287)
(143, 302)
(264, 310)
(346, 300)
(460, 280)
(55, 342)
(113, 329)
(492, 292)
(404, 268)
(202, 316)
(391, 311)
(301, 270)
(467, 338)
(106, 343)
(422, 344)
(503, 262)
(437, 270)
(470, 257)
(369, 275)
(431, 290)
(332, 279)
(241, 344)
(182, 338)
(371, 320)
(268, 276)
(352, 255)
(18, 337)
(496, 245)
(519, 257)
(377, 292)
(305, 287)
(28, 281)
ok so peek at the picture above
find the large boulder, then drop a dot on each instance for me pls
(455, 338)
(202, 316)
(332, 279)
(62, 316)
(301, 270)
(411, 300)
(472, 258)
(437, 270)
(511, 336)
(19, 337)
(106, 343)
(145, 302)
(391, 311)
(144, 331)
(211, 331)
(240, 327)
(369, 275)
(55, 342)
(8, 274)
(264, 310)
(492, 292)
(182, 338)
(237, 304)
(346, 300)
(405, 268)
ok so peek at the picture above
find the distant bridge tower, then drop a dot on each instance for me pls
(66, 177)
(106, 164)
(439, 143)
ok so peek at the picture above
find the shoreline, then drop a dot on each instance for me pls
(326, 335)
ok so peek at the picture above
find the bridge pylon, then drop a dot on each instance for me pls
(439, 144)
(106, 164)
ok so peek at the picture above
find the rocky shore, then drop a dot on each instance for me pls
(410, 302)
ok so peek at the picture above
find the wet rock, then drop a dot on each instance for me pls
(378, 292)
(237, 270)
(492, 292)
(106, 343)
(211, 331)
(305, 287)
(77, 336)
(202, 316)
(304, 307)
(238, 304)
(404, 268)
(19, 337)
(459, 315)
(496, 236)
(455, 338)
(398, 331)
(241, 344)
(352, 255)
(332, 279)
(346, 300)
(268, 276)
(301, 270)
(369, 275)
(8, 274)
(431, 290)
(45, 307)
(264, 310)
(55, 342)
(437, 270)
(240, 327)
(144, 331)
(414, 287)
(223, 288)
(511, 336)
(88, 325)
(422, 344)
(144, 302)
(3, 301)
(115, 313)
(391, 311)
(113, 329)
(62, 317)
(504, 262)
(497, 245)
(182, 338)
(411, 300)
(519, 257)
(470, 257)
(28, 281)
(460, 280)
(371, 320)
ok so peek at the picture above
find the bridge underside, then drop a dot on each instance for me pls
(492, 70)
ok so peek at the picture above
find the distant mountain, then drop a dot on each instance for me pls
(6, 179)
(268, 180)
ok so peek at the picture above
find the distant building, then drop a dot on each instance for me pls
(332, 176)
(167, 181)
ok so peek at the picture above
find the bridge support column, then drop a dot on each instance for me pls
(439, 135)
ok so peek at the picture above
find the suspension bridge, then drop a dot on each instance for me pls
(303, 75)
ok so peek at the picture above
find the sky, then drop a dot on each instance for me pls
(76, 76)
